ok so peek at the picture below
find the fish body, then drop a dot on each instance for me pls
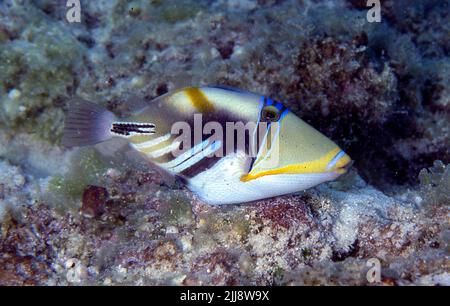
(227, 145)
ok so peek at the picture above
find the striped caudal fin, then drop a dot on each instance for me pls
(86, 123)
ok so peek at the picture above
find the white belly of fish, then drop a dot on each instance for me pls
(221, 183)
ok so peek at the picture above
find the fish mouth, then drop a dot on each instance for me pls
(344, 168)
(340, 164)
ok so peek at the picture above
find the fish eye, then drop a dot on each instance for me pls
(270, 113)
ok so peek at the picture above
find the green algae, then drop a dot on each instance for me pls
(279, 273)
(40, 68)
(87, 168)
(435, 184)
(134, 9)
(171, 11)
(179, 10)
(306, 253)
(179, 210)
(242, 229)
(217, 225)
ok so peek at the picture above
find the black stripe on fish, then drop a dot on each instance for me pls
(203, 165)
(125, 128)
(208, 162)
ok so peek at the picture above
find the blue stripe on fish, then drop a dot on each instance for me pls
(284, 113)
(279, 106)
(335, 159)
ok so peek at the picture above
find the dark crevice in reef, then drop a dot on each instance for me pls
(378, 112)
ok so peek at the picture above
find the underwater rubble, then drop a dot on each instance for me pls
(100, 215)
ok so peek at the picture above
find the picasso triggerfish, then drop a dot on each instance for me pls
(227, 145)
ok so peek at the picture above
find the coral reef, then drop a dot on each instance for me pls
(39, 62)
(100, 215)
(139, 236)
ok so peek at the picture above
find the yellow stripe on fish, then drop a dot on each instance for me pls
(314, 166)
(199, 100)
(140, 138)
(155, 147)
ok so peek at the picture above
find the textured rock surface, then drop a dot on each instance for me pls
(381, 91)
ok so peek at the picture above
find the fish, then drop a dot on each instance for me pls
(227, 145)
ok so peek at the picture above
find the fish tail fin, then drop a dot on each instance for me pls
(86, 123)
